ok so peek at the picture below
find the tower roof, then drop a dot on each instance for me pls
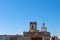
(33, 22)
(43, 25)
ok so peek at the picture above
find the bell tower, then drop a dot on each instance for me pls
(43, 28)
(33, 26)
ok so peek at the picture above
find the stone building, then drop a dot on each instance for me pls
(24, 38)
(54, 38)
(34, 33)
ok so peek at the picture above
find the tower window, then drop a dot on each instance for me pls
(32, 26)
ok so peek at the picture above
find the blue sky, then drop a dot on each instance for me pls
(15, 15)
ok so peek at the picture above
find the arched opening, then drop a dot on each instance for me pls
(32, 26)
(36, 38)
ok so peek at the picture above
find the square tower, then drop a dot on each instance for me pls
(33, 26)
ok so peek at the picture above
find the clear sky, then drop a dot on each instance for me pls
(15, 15)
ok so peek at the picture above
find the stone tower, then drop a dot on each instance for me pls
(33, 26)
